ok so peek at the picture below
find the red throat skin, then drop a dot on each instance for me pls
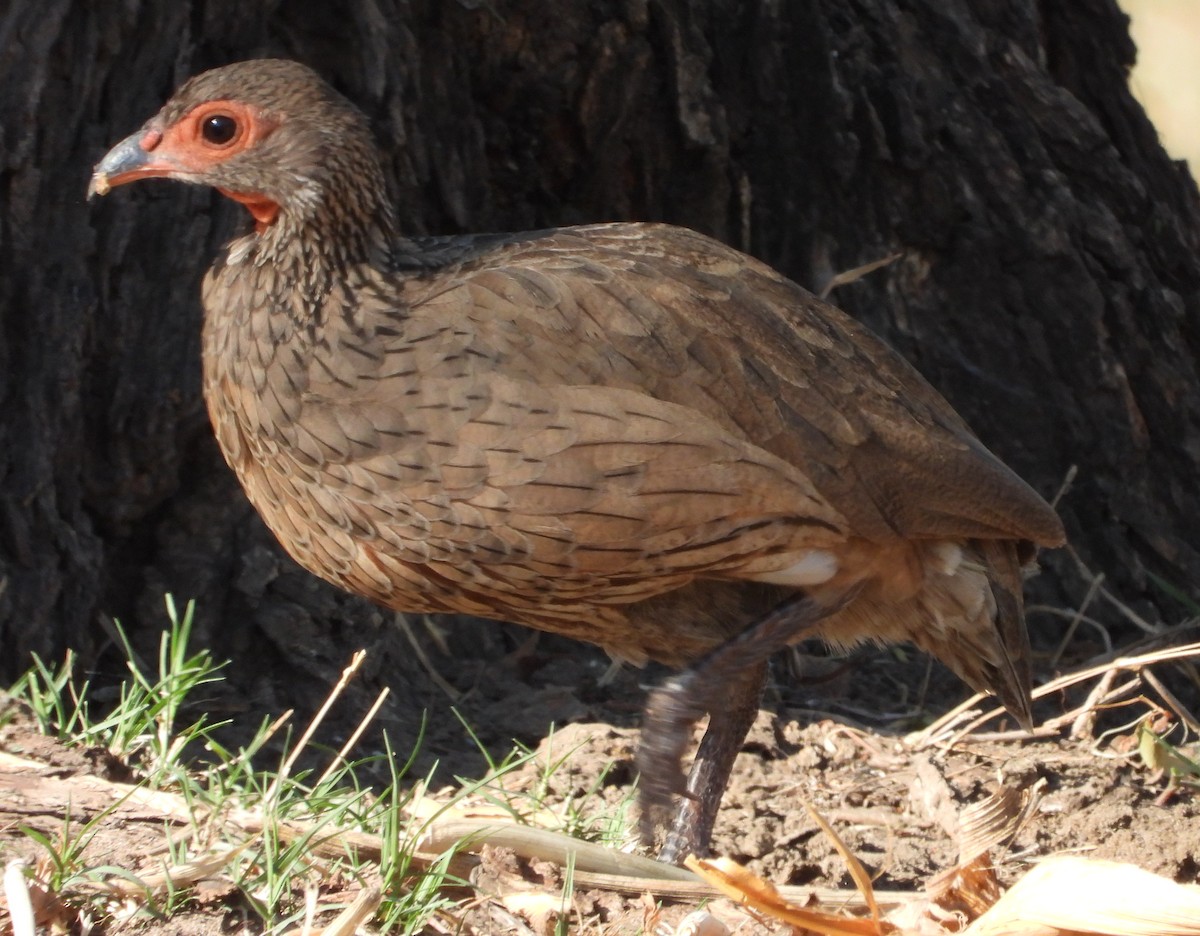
(262, 209)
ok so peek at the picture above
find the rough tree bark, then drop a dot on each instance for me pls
(1047, 279)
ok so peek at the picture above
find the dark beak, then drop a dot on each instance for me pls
(129, 161)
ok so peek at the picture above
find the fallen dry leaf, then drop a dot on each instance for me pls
(1071, 895)
(750, 890)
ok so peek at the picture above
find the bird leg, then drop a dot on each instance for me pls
(727, 727)
(727, 683)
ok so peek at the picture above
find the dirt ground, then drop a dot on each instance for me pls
(832, 734)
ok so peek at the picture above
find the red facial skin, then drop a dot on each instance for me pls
(182, 149)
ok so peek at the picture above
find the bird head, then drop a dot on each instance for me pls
(269, 133)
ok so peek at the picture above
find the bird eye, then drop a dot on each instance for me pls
(219, 129)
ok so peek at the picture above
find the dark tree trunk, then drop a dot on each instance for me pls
(1047, 279)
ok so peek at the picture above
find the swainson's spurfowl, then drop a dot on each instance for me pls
(627, 433)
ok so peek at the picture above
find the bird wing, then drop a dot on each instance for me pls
(678, 317)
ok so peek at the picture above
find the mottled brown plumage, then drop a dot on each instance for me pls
(627, 433)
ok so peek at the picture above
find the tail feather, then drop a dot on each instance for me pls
(966, 610)
(981, 616)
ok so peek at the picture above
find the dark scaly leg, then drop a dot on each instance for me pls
(727, 683)
(727, 727)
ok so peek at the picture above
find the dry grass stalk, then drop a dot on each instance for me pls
(950, 730)
(348, 673)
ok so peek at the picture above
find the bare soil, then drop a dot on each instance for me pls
(893, 801)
